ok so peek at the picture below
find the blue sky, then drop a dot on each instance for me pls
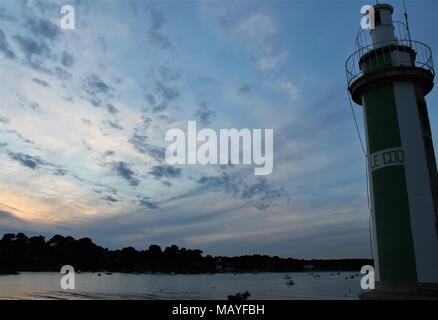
(83, 115)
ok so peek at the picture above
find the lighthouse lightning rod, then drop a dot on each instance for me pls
(407, 24)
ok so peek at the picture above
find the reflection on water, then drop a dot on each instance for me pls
(46, 285)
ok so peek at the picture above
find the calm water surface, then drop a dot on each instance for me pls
(46, 285)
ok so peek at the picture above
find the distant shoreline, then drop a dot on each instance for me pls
(36, 254)
(173, 274)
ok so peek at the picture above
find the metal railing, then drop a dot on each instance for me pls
(364, 39)
(383, 55)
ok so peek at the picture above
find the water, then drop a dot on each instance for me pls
(271, 286)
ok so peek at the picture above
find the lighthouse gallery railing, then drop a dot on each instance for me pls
(381, 55)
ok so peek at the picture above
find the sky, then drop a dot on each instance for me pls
(84, 112)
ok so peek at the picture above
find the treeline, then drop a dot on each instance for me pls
(21, 253)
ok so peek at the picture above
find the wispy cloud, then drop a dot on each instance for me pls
(156, 35)
(124, 171)
(5, 47)
(260, 193)
(97, 90)
(146, 202)
(204, 114)
(41, 82)
(165, 171)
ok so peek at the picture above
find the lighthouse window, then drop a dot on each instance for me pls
(378, 19)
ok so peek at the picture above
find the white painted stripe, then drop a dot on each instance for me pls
(418, 184)
(373, 219)
(386, 158)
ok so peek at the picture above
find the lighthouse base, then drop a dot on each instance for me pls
(386, 291)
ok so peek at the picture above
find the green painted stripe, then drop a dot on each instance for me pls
(394, 235)
(391, 207)
(382, 120)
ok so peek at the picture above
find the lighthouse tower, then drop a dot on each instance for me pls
(389, 76)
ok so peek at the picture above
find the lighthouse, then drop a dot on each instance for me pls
(390, 75)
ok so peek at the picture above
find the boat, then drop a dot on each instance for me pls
(108, 273)
(286, 277)
(290, 283)
(239, 296)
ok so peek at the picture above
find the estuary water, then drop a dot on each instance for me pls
(270, 286)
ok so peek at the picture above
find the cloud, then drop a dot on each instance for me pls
(43, 28)
(226, 182)
(97, 90)
(204, 114)
(37, 48)
(21, 137)
(160, 40)
(60, 172)
(266, 193)
(67, 59)
(35, 106)
(167, 93)
(124, 171)
(41, 82)
(138, 141)
(36, 53)
(272, 62)
(155, 34)
(68, 98)
(165, 171)
(165, 90)
(4, 120)
(6, 215)
(151, 99)
(111, 109)
(95, 85)
(36, 163)
(32, 48)
(62, 74)
(87, 122)
(166, 74)
(245, 90)
(5, 47)
(146, 202)
(260, 193)
(114, 124)
(87, 145)
(26, 160)
(109, 153)
(260, 35)
(258, 26)
(290, 88)
(110, 199)
(4, 15)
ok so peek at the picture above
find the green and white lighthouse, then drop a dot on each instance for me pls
(389, 76)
